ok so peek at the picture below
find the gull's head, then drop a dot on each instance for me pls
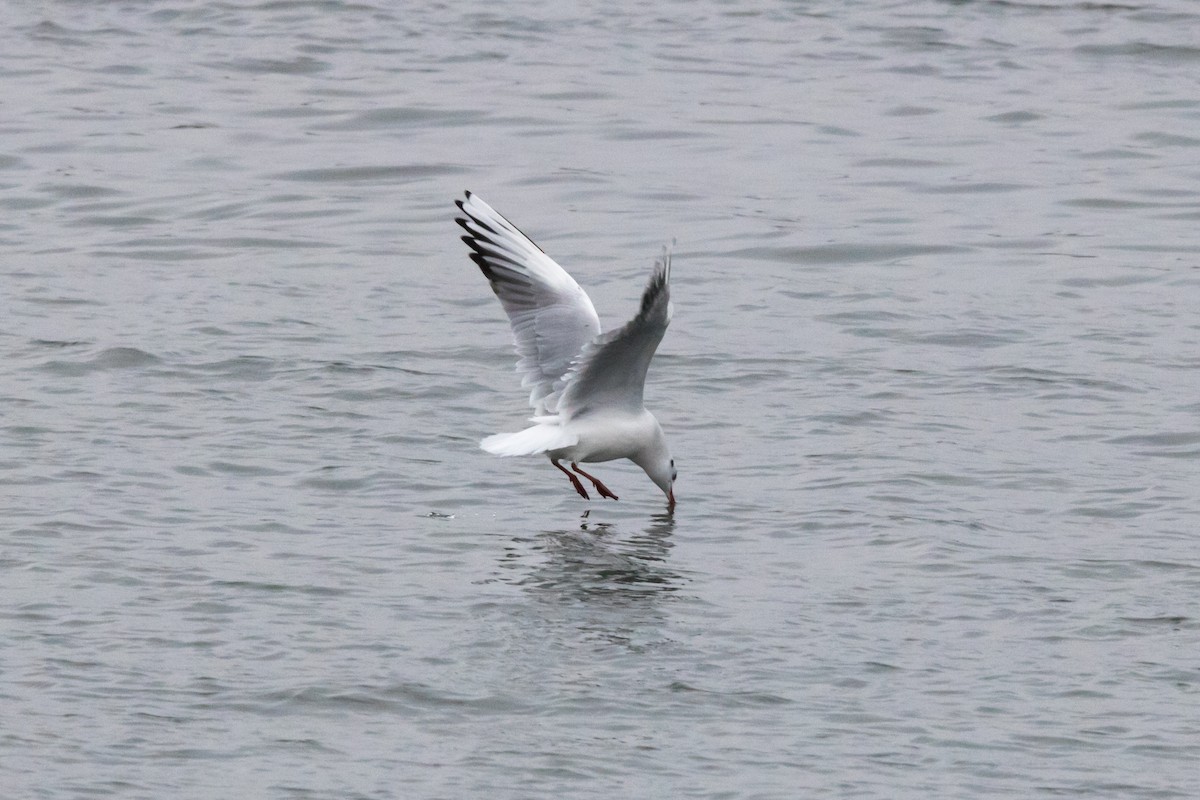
(655, 459)
(671, 488)
(662, 472)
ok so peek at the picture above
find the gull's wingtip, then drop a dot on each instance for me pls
(663, 262)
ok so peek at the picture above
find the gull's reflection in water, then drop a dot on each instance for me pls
(583, 600)
(599, 563)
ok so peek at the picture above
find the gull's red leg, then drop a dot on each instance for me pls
(574, 481)
(600, 487)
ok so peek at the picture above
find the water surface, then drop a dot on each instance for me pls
(930, 385)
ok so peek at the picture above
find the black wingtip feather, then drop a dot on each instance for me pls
(481, 262)
(659, 282)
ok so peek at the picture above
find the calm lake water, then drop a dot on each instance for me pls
(932, 386)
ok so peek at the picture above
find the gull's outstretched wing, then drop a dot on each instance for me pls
(611, 371)
(552, 318)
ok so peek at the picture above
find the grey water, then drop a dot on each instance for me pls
(932, 387)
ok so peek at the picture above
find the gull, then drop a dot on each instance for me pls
(585, 386)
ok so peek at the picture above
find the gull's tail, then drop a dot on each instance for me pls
(543, 437)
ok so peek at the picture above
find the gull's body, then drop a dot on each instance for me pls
(585, 386)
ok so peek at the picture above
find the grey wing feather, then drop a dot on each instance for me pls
(611, 371)
(552, 318)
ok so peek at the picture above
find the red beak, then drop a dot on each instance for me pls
(671, 499)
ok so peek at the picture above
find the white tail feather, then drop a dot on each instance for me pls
(538, 439)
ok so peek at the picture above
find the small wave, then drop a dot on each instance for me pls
(114, 358)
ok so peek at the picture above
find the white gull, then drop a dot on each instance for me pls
(585, 386)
